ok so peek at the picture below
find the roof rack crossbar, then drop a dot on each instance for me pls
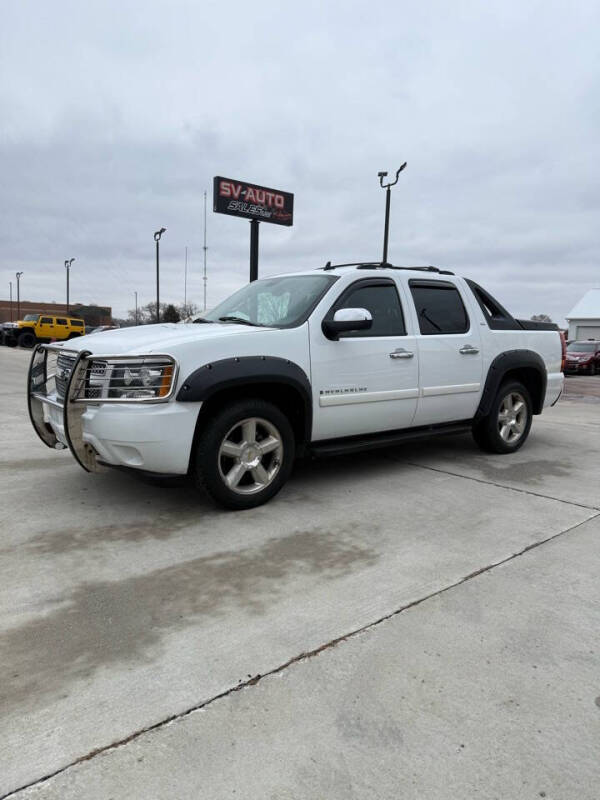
(384, 265)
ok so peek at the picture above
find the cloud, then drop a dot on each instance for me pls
(115, 117)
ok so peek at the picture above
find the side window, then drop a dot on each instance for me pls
(384, 304)
(440, 307)
(47, 321)
(60, 321)
(76, 323)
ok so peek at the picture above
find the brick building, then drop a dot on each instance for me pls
(92, 315)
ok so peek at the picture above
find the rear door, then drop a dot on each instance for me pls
(449, 346)
(367, 381)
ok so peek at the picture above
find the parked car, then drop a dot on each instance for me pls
(5, 330)
(583, 356)
(338, 360)
(34, 328)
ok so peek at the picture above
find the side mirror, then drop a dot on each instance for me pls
(347, 319)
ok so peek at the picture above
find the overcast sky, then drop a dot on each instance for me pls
(115, 116)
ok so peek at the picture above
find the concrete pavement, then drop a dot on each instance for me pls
(125, 606)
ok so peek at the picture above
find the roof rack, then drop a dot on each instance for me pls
(385, 265)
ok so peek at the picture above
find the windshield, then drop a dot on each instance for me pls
(275, 302)
(581, 347)
(31, 317)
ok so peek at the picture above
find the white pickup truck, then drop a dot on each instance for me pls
(340, 359)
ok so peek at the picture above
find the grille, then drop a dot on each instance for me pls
(64, 365)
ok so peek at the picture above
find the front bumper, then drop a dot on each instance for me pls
(152, 438)
(575, 367)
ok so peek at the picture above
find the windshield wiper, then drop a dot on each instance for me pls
(241, 320)
(201, 319)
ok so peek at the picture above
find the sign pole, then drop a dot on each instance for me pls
(254, 223)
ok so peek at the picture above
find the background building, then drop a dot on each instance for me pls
(584, 318)
(92, 315)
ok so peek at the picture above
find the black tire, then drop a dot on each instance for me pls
(27, 339)
(487, 431)
(593, 369)
(211, 466)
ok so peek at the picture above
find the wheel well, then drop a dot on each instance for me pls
(532, 380)
(289, 400)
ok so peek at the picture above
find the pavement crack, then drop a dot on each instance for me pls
(498, 485)
(253, 680)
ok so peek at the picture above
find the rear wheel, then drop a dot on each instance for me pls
(245, 454)
(593, 369)
(27, 339)
(506, 427)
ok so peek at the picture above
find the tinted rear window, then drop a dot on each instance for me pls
(76, 323)
(440, 308)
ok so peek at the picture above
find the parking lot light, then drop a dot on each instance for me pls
(18, 276)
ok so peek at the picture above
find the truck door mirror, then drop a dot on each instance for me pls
(345, 320)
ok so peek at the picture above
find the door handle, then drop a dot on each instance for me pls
(401, 353)
(468, 349)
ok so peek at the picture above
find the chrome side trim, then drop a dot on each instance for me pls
(458, 388)
(341, 399)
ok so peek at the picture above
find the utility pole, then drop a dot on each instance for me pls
(11, 307)
(18, 275)
(68, 263)
(136, 311)
(185, 286)
(388, 193)
(205, 248)
(157, 236)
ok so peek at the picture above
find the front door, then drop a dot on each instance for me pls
(45, 328)
(367, 381)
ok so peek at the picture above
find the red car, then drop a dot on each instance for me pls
(583, 357)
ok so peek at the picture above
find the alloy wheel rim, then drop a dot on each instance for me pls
(512, 417)
(250, 455)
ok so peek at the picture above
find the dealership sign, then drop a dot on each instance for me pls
(247, 200)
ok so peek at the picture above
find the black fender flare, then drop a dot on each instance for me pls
(503, 363)
(237, 372)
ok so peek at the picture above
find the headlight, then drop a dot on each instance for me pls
(140, 379)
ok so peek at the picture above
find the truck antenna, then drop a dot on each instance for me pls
(387, 187)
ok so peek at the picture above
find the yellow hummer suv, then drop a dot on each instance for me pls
(34, 328)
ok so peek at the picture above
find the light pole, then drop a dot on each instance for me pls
(18, 276)
(157, 236)
(11, 308)
(136, 314)
(387, 187)
(68, 263)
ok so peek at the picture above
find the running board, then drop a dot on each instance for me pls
(373, 441)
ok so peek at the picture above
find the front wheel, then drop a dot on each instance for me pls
(506, 427)
(245, 454)
(27, 339)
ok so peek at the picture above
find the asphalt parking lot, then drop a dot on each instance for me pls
(419, 623)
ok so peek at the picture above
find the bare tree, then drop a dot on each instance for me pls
(541, 318)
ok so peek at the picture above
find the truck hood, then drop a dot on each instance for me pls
(161, 338)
